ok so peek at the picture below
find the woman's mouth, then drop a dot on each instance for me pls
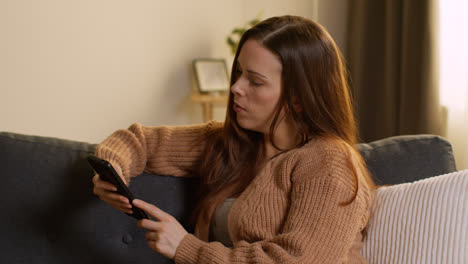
(238, 108)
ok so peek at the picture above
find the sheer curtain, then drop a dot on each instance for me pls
(454, 74)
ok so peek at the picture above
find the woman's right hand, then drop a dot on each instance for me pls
(107, 192)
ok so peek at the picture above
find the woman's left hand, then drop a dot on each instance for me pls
(165, 234)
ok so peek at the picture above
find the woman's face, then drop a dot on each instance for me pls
(257, 89)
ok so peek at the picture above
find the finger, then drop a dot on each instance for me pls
(117, 198)
(150, 225)
(112, 197)
(95, 178)
(103, 184)
(152, 210)
(117, 203)
(121, 208)
(106, 186)
(151, 244)
(152, 236)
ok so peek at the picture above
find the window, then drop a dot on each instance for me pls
(454, 74)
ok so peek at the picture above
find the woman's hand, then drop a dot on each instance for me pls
(107, 192)
(165, 234)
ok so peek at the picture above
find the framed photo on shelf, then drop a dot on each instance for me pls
(211, 75)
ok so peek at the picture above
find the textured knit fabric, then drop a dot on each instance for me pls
(290, 212)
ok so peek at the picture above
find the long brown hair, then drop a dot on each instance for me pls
(314, 77)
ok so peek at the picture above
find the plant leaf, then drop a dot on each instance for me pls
(239, 31)
(230, 42)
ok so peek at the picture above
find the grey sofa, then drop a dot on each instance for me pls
(49, 214)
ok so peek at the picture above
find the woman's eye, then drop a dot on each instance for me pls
(255, 83)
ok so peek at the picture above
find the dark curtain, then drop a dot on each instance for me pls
(393, 61)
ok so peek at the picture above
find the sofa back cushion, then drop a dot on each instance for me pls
(403, 159)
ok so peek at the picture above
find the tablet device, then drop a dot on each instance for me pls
(107, 173)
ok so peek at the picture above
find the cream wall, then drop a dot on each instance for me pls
(333, 15)
(82, 69)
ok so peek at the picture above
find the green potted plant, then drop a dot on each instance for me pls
(236, 34)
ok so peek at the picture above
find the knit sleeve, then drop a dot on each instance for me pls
(160, 150)
(317, 228)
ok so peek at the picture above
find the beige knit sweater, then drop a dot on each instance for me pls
(288, 214)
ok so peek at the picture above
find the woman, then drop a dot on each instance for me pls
(285, 154)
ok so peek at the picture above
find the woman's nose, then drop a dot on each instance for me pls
(236, 88)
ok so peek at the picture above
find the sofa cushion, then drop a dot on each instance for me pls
(420, 222)
(402, 159)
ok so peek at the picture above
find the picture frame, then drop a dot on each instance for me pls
(211, 75)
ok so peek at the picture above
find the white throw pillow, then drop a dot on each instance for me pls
(420, 222)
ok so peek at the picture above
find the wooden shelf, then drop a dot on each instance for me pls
(207, 101)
